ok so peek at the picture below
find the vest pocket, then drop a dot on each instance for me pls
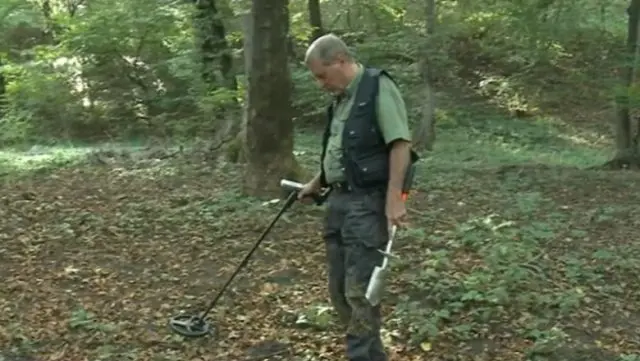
(371, 170)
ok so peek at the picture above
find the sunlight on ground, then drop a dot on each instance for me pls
(15, 160)
(39, 156)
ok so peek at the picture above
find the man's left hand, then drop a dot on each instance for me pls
(396, 210)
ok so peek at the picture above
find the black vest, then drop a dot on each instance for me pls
(365, 155)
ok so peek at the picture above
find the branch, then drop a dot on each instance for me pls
(73, 5)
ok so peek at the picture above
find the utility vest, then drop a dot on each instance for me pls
(365, 156)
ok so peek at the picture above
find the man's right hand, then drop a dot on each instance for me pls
(306, 193)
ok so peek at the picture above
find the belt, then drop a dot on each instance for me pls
(344, 187)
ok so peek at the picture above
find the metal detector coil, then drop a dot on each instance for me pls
(189, 326)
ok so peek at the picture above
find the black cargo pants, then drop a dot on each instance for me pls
(355, 228)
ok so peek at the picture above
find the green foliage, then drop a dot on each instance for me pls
(114, 69)
(83, 320)
(123, 69)
(529, 264)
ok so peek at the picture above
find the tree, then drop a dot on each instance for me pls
(425, 133)
(268, 145)
(2, 90)
(212, 44)
(315, 19)
(626, 141)
(217, 73)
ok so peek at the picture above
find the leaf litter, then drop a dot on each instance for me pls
(96, 259)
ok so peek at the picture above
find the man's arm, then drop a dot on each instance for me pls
(315, 181)
(394, 124)
(399, 158)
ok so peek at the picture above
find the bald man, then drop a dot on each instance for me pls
(366, 152)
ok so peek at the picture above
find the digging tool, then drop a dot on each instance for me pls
(196, 325)
(378, 278)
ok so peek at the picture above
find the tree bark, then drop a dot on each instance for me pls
(235, 150)
(269, 135)
(212, 43)
(217, 73)
(3, 91)
(315, 19)
(424, 136)
(626, 142)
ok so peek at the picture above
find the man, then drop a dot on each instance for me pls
(366, 153)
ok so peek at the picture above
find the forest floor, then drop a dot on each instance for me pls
(515, 251)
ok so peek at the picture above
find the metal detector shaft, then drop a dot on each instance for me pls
(293, 196)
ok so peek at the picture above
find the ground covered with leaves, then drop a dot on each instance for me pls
(503, 260)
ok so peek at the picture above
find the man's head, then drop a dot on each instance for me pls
(331, 63)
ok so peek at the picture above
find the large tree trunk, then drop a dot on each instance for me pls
(269, 126)
(425, 134)
(626, 141)
(315, 19)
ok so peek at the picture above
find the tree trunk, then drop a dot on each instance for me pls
(315, 19)
(217, 62)
(217, 72)
(3, 91)
(235, 150)
(627, 142)
(269, 136)
(234, 130)
(425, 135)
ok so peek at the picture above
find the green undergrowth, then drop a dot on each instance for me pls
(517, 242)
(28, 158)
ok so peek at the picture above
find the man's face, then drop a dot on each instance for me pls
(330, 77)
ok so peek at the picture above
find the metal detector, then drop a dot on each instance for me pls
(195, 325)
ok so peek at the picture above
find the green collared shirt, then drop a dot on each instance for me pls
(392, 119)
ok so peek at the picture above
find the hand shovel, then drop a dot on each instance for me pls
(379, 276)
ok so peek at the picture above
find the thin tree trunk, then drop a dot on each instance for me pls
(235, 130)
(424, 136)
(3, 91)
(315, 19)
(626, 141)
(212, 44)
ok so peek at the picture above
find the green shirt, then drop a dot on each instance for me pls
(392, 119)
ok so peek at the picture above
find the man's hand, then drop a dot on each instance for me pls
(396, 210)
(305, 194)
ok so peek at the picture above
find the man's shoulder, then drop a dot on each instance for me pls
(373, 71)
(385, 78)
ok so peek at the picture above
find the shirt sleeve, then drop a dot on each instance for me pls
(391, 112)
